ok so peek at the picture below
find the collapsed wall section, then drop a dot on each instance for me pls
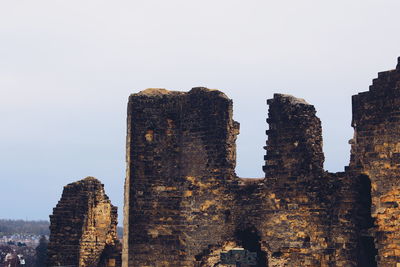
(296, 215)
(180, 153)
(304, 209)
(82, 226)
(376, 154)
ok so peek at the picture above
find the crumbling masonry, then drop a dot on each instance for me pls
(184, 205)
(83, 228)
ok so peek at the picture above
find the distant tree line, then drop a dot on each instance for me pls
(9, 227)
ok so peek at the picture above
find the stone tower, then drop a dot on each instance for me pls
(180, 150)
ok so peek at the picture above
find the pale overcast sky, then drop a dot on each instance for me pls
(68, 67)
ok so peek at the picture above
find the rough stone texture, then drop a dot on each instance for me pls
(294, 146)
(376, 153)
(83, 227)
(180, 153)
(184, 204)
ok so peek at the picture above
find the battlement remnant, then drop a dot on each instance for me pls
(83, 227)
(294, 145)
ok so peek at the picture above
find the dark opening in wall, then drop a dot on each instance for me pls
(250, 239)
(365, 220)
(366, 246)
(367, 252)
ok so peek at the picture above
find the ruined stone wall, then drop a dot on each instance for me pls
(184, 205)
(305, 209)
(82, 226)
(376, 153)
(297, 226)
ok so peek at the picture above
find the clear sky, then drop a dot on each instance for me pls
(67, 69)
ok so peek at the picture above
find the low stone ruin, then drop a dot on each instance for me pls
(83, 227)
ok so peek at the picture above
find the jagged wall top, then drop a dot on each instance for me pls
(375, 152)
(294, 145)
(184, 204)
